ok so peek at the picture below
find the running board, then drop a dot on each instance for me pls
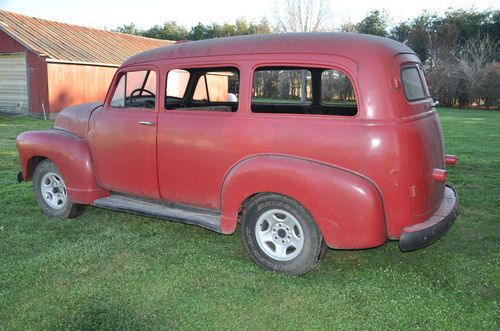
(206, 218)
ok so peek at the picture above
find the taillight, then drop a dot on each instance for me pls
(450, 159)
(439, 175)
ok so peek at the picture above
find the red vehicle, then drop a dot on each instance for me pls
(308, 140)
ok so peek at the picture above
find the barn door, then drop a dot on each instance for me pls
(13, 83)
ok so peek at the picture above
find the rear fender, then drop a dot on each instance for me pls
(70, 154)
(346, 206)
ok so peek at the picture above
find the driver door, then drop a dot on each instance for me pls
(122, 136)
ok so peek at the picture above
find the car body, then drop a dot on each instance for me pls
(334, 135)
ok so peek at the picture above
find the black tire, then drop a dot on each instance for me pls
(60, 208)
(292, 259)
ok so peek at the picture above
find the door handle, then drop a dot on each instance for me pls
(147, 123)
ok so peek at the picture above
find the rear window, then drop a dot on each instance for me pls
(412, 84)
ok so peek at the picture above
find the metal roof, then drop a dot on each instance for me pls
(72, 43)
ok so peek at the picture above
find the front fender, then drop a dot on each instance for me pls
(70, 154)
(347, 206)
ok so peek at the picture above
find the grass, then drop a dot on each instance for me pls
(107, 270)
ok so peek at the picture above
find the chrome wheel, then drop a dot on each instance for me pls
(279, 234)
(53, 190)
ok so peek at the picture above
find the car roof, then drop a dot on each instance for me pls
(351, 45)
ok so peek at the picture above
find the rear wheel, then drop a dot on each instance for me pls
(51, 194)
(280, 235)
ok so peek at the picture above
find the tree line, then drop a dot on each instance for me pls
(459, 49)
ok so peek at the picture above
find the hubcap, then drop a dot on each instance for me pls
(53, 190)
(279, 234)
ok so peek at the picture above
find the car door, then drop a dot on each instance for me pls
(122, 135)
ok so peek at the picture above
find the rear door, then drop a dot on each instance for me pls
(123, 136)
(423, 137)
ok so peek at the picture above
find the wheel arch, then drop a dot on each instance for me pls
(71, 156)
(31, 165)
(326, 191)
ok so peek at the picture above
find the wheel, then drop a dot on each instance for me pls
(50, 192)
(280, 235)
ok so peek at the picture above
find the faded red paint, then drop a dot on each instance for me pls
(364, 179)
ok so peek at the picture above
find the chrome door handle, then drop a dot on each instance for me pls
(147, 123)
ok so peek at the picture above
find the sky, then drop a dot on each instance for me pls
(146, 13)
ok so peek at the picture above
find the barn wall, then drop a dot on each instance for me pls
(71, 84)
(36, 73)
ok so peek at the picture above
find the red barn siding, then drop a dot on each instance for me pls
(71, 84)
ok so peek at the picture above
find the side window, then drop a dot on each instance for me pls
(282, 86)
(135, 89)
(287, 90)
(177, 83)
(412, 84)
(204, 89)
(336, 90)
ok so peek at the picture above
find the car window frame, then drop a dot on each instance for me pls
(307, 66)
(116, 81)
(418, 69)
(193, 81)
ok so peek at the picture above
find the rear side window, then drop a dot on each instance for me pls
(336, 89)
(291, 90)
(135, 89)
(412, 84)
(282, 86)
(203, 89)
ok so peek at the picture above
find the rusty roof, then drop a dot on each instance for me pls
(73, 43)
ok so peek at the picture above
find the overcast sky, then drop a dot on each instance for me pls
(145, 13)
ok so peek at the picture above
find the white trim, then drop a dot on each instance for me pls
(49, 60)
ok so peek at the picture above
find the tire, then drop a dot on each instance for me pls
(280, 235)
(50, 192)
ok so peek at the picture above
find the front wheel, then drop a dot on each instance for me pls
(280, 235)
(50, 192)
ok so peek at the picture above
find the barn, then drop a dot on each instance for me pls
(46, 66)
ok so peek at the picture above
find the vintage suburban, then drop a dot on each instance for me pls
(308, 141)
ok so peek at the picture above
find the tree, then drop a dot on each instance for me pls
(375, 23)
(401, 32)
(348, 27)
(169, 31)
(130, 28)
(476, 53)
(302, 16)
(419, 38)
(262, 27)
(489, 84)
(199, 32)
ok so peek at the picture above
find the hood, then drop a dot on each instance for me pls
(75, 119)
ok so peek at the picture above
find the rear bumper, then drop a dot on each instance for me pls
(425, 233)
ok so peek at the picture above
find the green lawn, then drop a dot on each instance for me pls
(107, 270)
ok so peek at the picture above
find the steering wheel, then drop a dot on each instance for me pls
(140, 90)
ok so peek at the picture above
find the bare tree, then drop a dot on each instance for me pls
(302, 16)
(476, 53)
